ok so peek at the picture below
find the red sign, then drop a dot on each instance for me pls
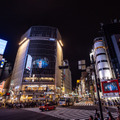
(110, 86)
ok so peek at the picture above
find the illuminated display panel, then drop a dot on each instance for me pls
(41, 63)
(2, 63)
(29, 62)
(110, 86)
(43, 58)
(3, 44)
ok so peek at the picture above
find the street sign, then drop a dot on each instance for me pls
(81, 65)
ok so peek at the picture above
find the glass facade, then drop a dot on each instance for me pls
(36, 69)
(43, 31)
(42, 59)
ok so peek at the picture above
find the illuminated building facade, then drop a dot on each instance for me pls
(103, 69)
(67, 79)
(111, 34)
(36, 75)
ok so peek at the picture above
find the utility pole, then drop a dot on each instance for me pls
(97, 89)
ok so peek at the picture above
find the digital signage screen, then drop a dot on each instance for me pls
(41, 63)
(29, 62)
(3, 44)
(110, 86)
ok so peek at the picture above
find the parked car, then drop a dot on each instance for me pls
(47, 107)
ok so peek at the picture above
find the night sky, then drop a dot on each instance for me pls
(77, 21)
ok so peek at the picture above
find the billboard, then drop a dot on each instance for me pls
(2, 63)
(29, 62)
(3, 44)
(41, 63)
(1, 86)
(110, 86)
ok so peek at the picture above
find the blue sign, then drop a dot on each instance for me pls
(3, 44)
(2, 63)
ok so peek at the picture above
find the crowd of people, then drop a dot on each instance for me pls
(24, 104)
(113, 102)
(108, 117)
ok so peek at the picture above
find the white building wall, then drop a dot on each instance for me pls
(59, 60)
(102, 62)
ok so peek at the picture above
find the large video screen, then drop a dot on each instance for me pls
(41, 63)
(29, 62)
(3, 44)
(110, 86)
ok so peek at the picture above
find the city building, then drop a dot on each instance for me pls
(111, 33)
(106, 54)
(36, 74)
(103, 69)
(67, 79)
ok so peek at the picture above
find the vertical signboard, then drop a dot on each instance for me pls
(81, 65)
(3, 44)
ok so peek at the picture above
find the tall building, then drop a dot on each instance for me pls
(111, 34)
(103, 69)
(67, 79)
(36, 75)
(106, 54)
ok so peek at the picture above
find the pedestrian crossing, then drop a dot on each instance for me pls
(69, 114)
(83, 104)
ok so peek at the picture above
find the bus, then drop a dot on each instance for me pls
(66, 101)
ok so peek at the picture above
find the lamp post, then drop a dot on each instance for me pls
(97, 89)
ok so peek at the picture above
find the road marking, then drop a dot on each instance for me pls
(69, 114)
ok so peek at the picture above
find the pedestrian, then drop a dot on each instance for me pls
(110, 116)
(118, 111)
(97, 116)
(107, 111)
(91, 117)
(96, 111)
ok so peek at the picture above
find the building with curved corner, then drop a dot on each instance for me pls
(36, 75)
(103, 69)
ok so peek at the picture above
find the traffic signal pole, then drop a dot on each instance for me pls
(100, 105)
(97, 89)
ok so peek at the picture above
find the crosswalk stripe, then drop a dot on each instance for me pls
(69, 114)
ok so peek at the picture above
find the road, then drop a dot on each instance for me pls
(61, 113)
(20, 114)
(72, 113)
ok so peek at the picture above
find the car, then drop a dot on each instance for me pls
(47, 107)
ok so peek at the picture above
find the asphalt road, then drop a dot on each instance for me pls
(20, 114)
(93, 108)
(58, 114)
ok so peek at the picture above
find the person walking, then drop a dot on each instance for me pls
(109, 115)
(118, 111)
(91, 117)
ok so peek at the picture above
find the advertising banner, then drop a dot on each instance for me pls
(110, 88)
(3, 44)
